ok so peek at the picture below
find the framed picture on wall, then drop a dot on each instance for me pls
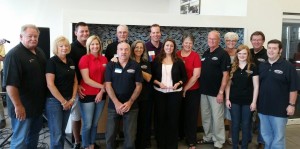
(189, 6)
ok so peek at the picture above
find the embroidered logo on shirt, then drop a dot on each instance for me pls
(278, 71)
(214, 58)
(144, 66)
(72, 67)
(261, 60)
(203, 59)
(31, 60)
(130, 70)
(249, 71)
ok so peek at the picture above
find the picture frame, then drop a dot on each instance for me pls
(189, 6)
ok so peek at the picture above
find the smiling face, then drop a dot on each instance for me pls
(169, 48)
(95, 47)
(187, 44)
(29, 38)
(242, 55)
(82, 33)
(213, 40)
(122, 33)
(273, 51)
(139, 50)
(123, 51)
(230, 44)
(63, 48)
(155, 34)
(257, 42)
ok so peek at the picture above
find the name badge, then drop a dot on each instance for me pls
(118, 70)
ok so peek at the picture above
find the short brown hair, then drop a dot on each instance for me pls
(257, 33)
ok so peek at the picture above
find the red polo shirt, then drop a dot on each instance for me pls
(192, 61)
(96, 67)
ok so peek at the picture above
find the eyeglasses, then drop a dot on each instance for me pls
(257, 40)
(231, 41)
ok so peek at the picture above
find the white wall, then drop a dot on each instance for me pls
(252, 15)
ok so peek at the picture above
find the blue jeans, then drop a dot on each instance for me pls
(259, 137)
(90, 113)
(26, 132)
(240, 117)
(57, 122)
(129, 128)
(273, 131)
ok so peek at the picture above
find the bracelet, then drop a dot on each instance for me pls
(64, 103)
(73, 99)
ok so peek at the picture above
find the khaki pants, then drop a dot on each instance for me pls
(212, 114)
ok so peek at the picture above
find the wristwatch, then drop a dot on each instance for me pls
(291, 104)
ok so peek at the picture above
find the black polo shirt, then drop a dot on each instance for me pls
(213, 65)
(111, 50)
(144, 95)
(277, 80)
(26, 71)
(123, 80)
(151, 47)
(241, 89)
(64, 75)
(77, 51)
(259, 57)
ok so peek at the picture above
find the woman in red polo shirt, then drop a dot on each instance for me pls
(92, 68)
(191, 102)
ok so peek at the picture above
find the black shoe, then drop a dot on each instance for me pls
(240, 142)
(96, 146)
(77, 146)
(148, 144)
(2, 124)
(260, 146)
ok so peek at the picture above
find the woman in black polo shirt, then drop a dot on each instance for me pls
(168, 75)
(241, 94)
(139, 54)
(62, 85)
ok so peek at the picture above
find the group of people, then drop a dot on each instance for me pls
(140, 78)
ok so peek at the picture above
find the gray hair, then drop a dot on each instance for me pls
(26, 26)
(231, 36)
(122, 25)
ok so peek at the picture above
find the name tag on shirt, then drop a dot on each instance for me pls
(118, 70)
(151, 55)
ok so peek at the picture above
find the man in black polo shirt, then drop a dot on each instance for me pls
(25, 82)
(78, 49)
(279, 84)
(258, 52)
(122, 35)
(123, 81)
(213, 80)
(259, 55)
(154, 45)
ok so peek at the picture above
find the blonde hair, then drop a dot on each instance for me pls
(89, 42)
(235, 64)
(61, 40)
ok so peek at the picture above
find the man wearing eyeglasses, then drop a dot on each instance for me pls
(259, 55)
(258, 52)
(122, 35)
